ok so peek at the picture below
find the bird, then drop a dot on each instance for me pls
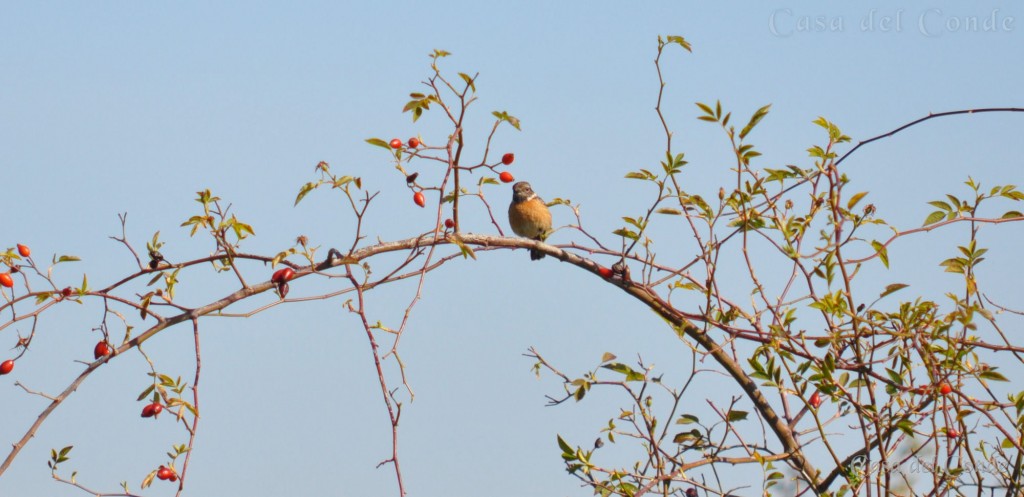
(529, 216)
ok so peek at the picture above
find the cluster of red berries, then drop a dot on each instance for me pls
(417, 198)
(152, 410)
(815, 400)
(165, 473)
(5, 278)
(421, 200)
(280, 278)
(505, 176)
(397, 143)
(8, 281)
(101, 349)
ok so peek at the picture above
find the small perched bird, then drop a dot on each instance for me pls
(529, 216)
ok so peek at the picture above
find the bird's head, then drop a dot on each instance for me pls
(522, 192)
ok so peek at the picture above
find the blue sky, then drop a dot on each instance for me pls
(133, 107)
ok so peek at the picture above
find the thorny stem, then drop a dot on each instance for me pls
(195, 404)
(394, 411)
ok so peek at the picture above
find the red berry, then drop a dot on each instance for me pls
(6, 280)
(24, 250)
(506, 177)
(448, 223)
(282, 275)
(7, 366)
(413, 142)
(945, 389)
(420, 199)
(66, 291)
(152, 410)
(396, 143)
(604, 272)
(164, 473)
(815, 400)
(952, 433)
(282, 288)
(173, 477)
(101, 349)
(508, 158)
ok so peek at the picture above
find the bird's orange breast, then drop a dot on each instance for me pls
(531, 218)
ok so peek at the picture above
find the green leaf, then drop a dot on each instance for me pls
(678, 40)
(737, 415)
(144, 305)
(669, 210)
(934, 218)
(280, 257)
(895, 287)
(469, 81)
(580, 393)
(625, 233)
(992, 375)
(505, 116)
(906, 426)
(854, 199)
(1012, 214)
(608, 356)
(630, 373)
(303, 191)
(641, 174)
(883, 253)
(756, 118)
(378, 142)
(241, 229)
(686, 436)
(954, 265)
(145, 393)
(467, 252)
(894, 377)
(686, 419)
